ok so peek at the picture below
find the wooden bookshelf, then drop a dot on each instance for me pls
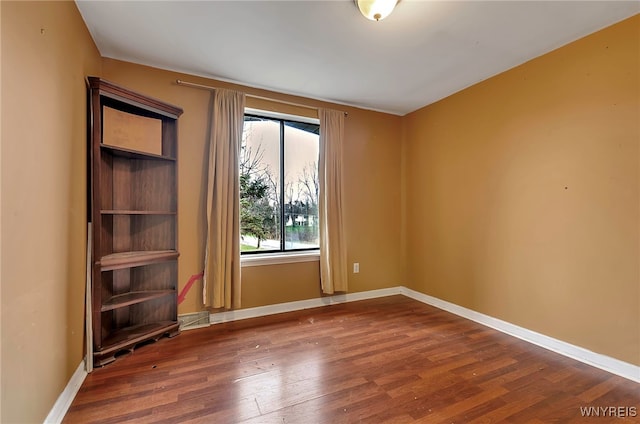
(134, 215)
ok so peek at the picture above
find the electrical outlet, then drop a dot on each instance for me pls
(356, 267)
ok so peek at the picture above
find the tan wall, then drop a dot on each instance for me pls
(46, 53)
(372, 191)
(522, 195)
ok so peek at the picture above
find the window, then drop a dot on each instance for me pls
(279, 184)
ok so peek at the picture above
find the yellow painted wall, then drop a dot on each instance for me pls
(372, 188)
(522, 194)
(46, 53)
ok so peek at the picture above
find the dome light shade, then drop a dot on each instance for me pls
(376, 10)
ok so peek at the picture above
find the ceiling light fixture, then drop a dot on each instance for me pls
(376, 10)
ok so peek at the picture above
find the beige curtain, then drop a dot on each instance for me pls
(333, 249)
(221, 280)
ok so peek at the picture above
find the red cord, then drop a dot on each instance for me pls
(187, 287)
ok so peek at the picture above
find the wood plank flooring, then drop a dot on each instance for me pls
(387, 360)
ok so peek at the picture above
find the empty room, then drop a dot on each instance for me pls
(320, 211)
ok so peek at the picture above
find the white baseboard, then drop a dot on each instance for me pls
(260, 311)
(606, 363)
(60, 408)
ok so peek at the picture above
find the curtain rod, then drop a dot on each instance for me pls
(208, 87)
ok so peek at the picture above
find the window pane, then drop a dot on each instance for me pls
(301, 153)
(260, 185)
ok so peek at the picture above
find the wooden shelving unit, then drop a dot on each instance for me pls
(134, 215)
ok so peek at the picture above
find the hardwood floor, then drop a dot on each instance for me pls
(391, 360)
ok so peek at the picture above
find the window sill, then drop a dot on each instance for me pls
(279, 258)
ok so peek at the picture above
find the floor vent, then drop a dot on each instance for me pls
(194, 320)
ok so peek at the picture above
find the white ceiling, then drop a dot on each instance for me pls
(423, 52)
